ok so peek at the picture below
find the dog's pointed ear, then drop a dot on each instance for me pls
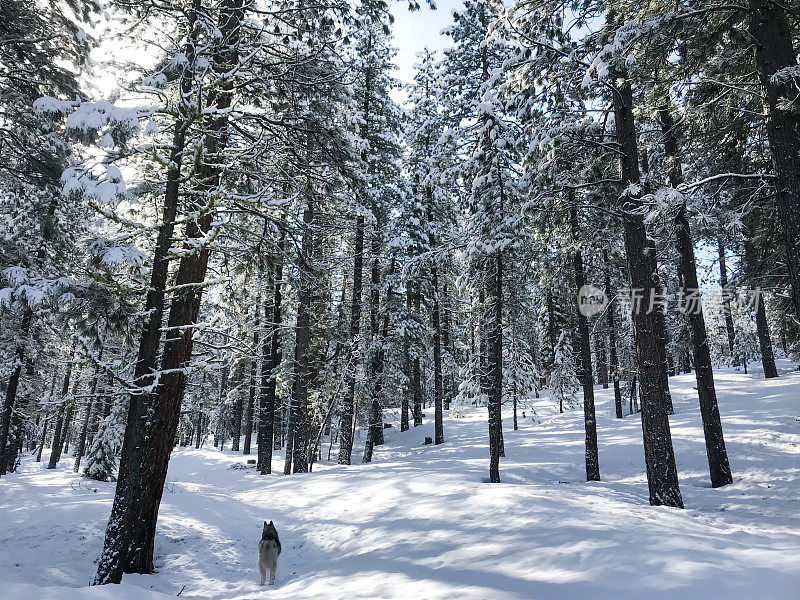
(265, 523)
(270, 522)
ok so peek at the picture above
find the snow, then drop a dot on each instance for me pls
(420, 522)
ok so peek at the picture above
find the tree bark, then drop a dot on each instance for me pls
(764, 339)
(298, 417)
(129, 481)
(719, 467)
(417, 366)
(58, 437)
(726, 304)
(353, 352)
(551, 332)
(404, 407)
(769, 27)
(585, 352)
(436, 322)
(271, 360)
(85, 424)
(11, 391)
(251, 400)
(165, 413)
(662, 474)
(376, 414)
(494, 363)
(221, 433)
(438, 426)
(375, 435)
(602, 365)
(447, 343)
(762, 327)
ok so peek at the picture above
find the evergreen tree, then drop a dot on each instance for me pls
(564, 385)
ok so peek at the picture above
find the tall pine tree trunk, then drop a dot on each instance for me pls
(551, 332)
(662, 474)
(251, 400)
(449, 345)
(353, 352)
(376, 415)
(752, 271)
(221, 434)
(438, 427)
(408, 393)
(494, 366)
(602, 365)
(417, 364)
(764, 339)
(726, 303)
(438, 384)
(86, 416)
(302, 349)
(11, 393)
(769, 27)
(55, 450)
(163, 418)
(121, 524)
(585, 352)
(719, 467)
(612, 340)
(271, 360)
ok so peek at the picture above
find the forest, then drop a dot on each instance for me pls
(565, 251)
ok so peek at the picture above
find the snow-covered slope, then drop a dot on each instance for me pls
(421, 523)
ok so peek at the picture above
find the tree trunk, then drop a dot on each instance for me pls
(251, 400)
(198, 425)
(42, 438)
(120, 527)
(163, 419)
(417, 381)
(494, 367)
(238, 409)
(764, 339)
(376, 414)
(602, 365)
(718, 465)
(662, 474)
(85, 425)
(55, 450)
(762, 328)
(11, 392)
(769, 27)
(221, 434)
(726, 303)
(438, 384)
(404, 407)
(551, 331)
(302, 347)
(437, 359)
(447, 343)
(269, 365)
(353, 352)
(516, 425)
(585, 352)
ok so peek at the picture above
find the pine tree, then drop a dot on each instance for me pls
(101, 459)
(564, 384)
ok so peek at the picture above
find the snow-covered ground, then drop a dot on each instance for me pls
(421, 523)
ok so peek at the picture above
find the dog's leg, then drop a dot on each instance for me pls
(263, 571)
(272, 569)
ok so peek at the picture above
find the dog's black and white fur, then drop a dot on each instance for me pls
(269, 548)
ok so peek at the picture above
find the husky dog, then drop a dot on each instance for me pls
(269, 548)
